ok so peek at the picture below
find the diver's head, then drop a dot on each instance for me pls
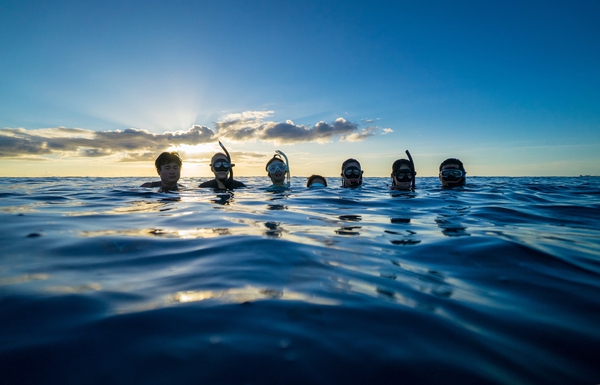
(452, 173)
(402, 174)
(220, 166)
(351, 173)
(316, 181)
(276, 170)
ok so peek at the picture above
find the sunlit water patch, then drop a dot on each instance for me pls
(494, 283)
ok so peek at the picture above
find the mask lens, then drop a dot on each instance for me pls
(221, 165)
(403, 175)
(274, 167)
(352, 172)
(452, 173)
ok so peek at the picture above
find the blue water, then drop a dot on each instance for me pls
(102, 282)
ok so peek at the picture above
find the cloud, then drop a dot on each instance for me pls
(132, 143)
(135, 144)
(252, 126)
(366, 133)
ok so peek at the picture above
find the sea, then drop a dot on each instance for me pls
(104, 282)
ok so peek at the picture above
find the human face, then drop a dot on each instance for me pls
(219, 167)
(452, 180)
(352, 175)
(277, 172)
(402, 178)
(169, 174)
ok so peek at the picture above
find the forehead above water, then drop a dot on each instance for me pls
(453, 163)
(351, 164)
(400, 163)
(452, 166)
(218, 156)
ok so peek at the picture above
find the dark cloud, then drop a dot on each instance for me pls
(11, 146)
(93, 152)
(86, 143)
(136, 145)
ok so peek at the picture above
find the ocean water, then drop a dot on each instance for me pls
(102, 282)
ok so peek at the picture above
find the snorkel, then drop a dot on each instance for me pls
(230, 178)
(287, 165)
(412, 166)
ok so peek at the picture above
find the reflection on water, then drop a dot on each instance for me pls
(249, 294)
(22, 279)
(348, 230)
(451, 221)
(224, 198)
(274, 229)
(276, 207)
(350, 218)
(75, 289)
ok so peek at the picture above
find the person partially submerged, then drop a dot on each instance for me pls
(168, 166)
(351, 173)
(316, 181)
(222, 168)
(403, 174)
(278, 170)
(452, 173)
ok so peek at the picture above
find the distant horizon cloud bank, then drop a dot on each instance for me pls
(140, 145)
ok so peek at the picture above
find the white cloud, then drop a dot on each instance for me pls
(134, 144)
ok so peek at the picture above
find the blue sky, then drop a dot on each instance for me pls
(101, 88)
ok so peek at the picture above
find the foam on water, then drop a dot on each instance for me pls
(494, 283)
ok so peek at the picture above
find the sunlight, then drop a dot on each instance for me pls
(249, 294)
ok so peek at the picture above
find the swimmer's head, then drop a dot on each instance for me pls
(166, 158)
(220, 166)
(452, 173)
(316, 181)
(276, 169)
(351, 173)
(402, 174)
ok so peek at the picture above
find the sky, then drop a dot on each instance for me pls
(101, 88)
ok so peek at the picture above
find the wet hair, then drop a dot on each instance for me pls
(452, 161)
(348, 161)
(313, 177)
(166, 158)
(275, 158)
(400, 162)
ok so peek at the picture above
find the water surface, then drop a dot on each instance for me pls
(495, 283)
